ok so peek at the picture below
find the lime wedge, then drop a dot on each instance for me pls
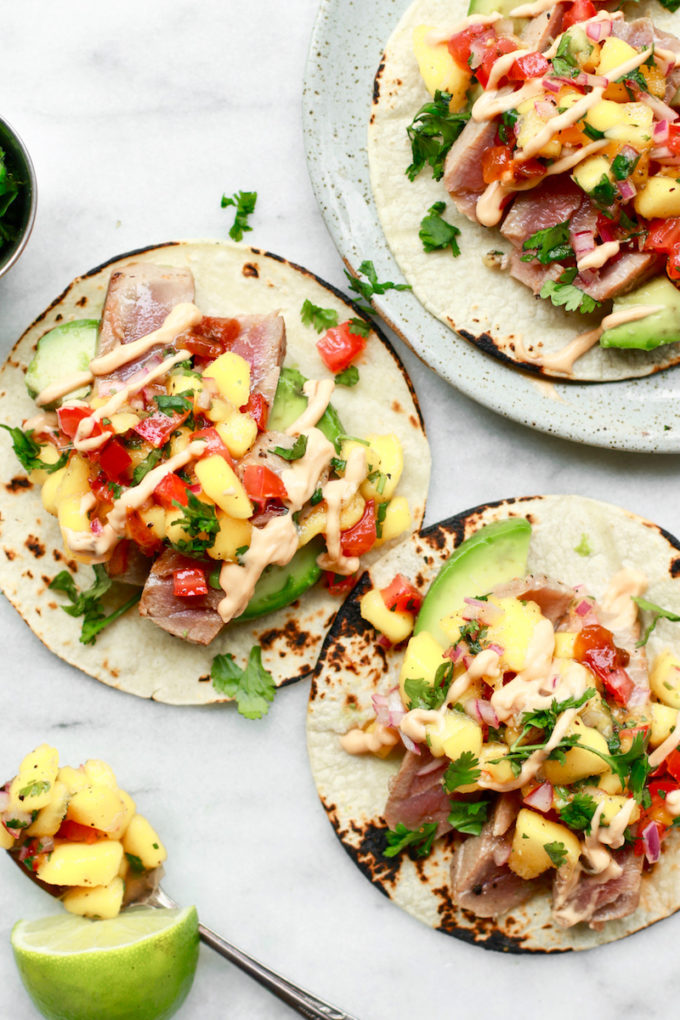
(137, 966)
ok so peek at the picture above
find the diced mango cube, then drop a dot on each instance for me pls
(424, 655)
(154, 517)
(231, 372)
(590, 172)
(613, 54)
(533, 832)
(453, 735)
(395, 625)
(52, 815)
(238, 433)
(564, 645)
(179, 440)
(389, 468)
(73, 779)
(494, 763)
(579, 762)
(103, 901)
(98, 807)
(438, 68)
(141, 840)
(129, 810)
(664, 678)
(612, 804)
(82, 863)
(664, 721)
(31, 788)
(49, 491)
(219, 482)
(397, 520)
(123, 422)
(234, 534)
(659, 197)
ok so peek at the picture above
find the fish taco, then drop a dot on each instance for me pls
(214, 442)
(510, 776)
(524, 163)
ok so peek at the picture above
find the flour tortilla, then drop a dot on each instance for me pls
(351, 667)
(133, 654)
(486, 306)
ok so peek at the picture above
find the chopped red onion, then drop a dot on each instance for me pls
(498, 649)
(431, 766)
(408, 743)
(593, 80)
(543, 108)
(483, 711)
(203, 400)
(597, 30)
(541, 798)
(651, 843)
(388, 708)
(627, 189)
(661, 109)
(659, 134)
(96, 526)
(551, 85)
(501, 853)
(606, 233)
(583, 241)
(583, 608)
(660, 152)
(4, 800)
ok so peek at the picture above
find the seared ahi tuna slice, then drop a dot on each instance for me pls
(622, 274)
(195, 618)
(259, 339)
(416, 793)
(553, 598)
(540, 31)
(138, 300)
(588, 898)
(480, 877)
(463, 169)
(552, 202)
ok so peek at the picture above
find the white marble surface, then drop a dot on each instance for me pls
(138, 117)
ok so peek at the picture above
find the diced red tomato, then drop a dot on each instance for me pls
(672, 764)
(402, 596)
(262, 484)
(673, 263)
(158, 427)
(70, 418)
(663, 235)
(339, 347)
(100, 487)
(114, 460)
(580, 10)
(460, 44)
(210, 338)
(339, 584)
(258, 409)
(189, 581)
(213, 444)
(628, 735)
(657, 812)
(141, 534)
(493, 49)
(531, 65)
(495, 161)
(171, 489)
(358, 539)
(673, 140)
(77, 833)
(594, 646)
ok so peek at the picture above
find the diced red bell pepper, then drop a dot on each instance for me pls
(339, 584)
(213, 444)
(523, 170)
(188, 582)
(210, 338)
(339, 347)
(77, 833)
(170, 490)
(673, 263)
(580, 10)
(114, 460)
(673, 140)
(141, 533)
(594, 646)
(69, 419)
(493, 49)
(531, 65)
(158, 427)
(495, 161)
(262, 484)
(663, 235)
(361, 537)
(402, 596)
(258, 409)
(460, 44)
(100, 487)
(672, 764)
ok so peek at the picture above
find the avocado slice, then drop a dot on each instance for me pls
(290, 402)
(279, 586)
(63, 351)
(662, 327)
(492, 6)
(494, 554)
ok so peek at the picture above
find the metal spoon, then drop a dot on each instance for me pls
(149, 892)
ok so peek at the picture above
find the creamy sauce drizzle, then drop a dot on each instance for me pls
(276, 543)
(619, 612)
(665, 748)
(532, 765)
(335, 493)
(531, 10)
(600, 254)
(443, 34)
(359, 741)
(318, 393)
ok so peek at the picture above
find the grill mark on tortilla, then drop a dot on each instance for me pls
(34, 545)
(82, 301)
(377, 79)
(10, 554)
(250, 270)
(19, 484)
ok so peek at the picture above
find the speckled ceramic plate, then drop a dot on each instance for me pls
(640, 415)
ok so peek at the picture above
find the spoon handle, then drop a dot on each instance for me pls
(297, 998)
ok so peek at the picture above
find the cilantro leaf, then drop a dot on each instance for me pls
(198, 519)
(573, 298)
(349, 377)
(367, 288)
(319, 318)
(623, 166)
(576, 811)
(135, 863)
(436, 233)
(244, 202)
(468, 816)
(583, 548)
(564, 63)
(294, 452)
(143, 468)
(419, 840)
(546, 718)
(422, 694)
(461, 772)
(473, 634)
(670, 5)
(431, 133)
(631, 766)
(557, 852)
(96, 622)
(549, 245)
(88, 603)
(28, 450)
(591, 131)
(253, 688)
(359, 327)
(380, 519)
(659, 614)
(173, 404)
(34, 789)
(604, 193)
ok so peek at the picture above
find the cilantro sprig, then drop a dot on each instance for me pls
(170, 404)
(244, 203)
(27, 450)
(88, 603)
(431, 133)
(348, 377)
(422, 694)
(461, 772)
(419, 840)
(562, 293)
(368, 288)
(469, 816)
(252, 688)
(436, 233)
(549, 245)
(557, 852)
(294, 452)
(200, 521)
(659, 614)
(319, 318)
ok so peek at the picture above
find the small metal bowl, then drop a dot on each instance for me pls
(19, 163)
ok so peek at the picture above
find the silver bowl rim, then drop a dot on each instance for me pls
(28, 227)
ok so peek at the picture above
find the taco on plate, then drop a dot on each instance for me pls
(190, 436)
(547, 151)
(510, 776)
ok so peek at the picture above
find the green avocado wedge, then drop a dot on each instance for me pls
(290, 402)
(660, 327)
(62, 352)
(279, 586)
(494, 554)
